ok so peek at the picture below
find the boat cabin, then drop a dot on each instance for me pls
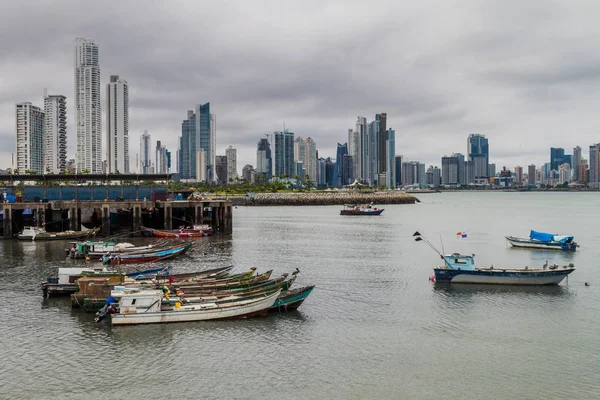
(460, 261)
(143, 301)
(71, 275)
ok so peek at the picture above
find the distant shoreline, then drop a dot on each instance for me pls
(323, 199)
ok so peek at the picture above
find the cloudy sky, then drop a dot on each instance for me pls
(523, 73)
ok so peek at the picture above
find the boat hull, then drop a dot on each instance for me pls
(254, 308)
(536, 244)
(292, 299)
(502, 277)
(351, 212)
(54, 236)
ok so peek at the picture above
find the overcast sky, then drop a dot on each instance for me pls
(523, 73)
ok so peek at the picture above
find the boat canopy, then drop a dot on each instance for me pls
(460, 261)
(550, 237)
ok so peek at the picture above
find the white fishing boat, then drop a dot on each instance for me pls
(151, 307)
(546, 241)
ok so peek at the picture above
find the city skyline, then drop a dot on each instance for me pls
(441, 82)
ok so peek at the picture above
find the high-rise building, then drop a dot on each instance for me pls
(354, 149)
(145, 159)
(575, 161)
(247, 173)
(321, 178)
(198, 132)
(469, 172)
(362, 155)
(432, 176)
(88, 108)
(55, 133)
(531, 178)
(221, 169)
(478, 152)
(299, 149)
(162, 163)
(342, 150)
(453, 170)
(413, 174)
(492, 169)
(310, 160)
(564, 173)
(200, 162)
(583, 172)
(382, 143)
(398, 171)
(557, 157)
(518, 176)
(231, 155)
(284, 153)
(594, 166)
(117, 125)
(264, 166)
(390, 157)
(30, 138)
(347, 170)
(373, 152)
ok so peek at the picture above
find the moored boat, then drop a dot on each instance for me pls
(146, 307)
(37, 234)
(181, 233)
(542, 240)
(83, 250)
(159, 255)
(291, 299)
(461, 268)
(361, 209)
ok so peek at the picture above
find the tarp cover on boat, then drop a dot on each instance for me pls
(541, 236)
(550, 237)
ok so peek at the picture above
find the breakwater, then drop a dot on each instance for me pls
(322, 199)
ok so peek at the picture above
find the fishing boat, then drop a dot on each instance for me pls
(361, 209)
(291, 299)
(83, 250)
(149, 307)
(542, 240)
(158, 255)
(461, 268)
(182, 233)
(36, 234)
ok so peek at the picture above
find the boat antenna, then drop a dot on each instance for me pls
(442, 242)
(419, 237)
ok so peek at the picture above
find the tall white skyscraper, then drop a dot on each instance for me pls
(88, 109)
(30, 138)
(299, 149)
(55, 133)
(213, 145)
(310, 161)
(117, 125)
(145, 159)
(231, 155)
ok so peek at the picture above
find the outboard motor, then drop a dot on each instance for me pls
(106, 310)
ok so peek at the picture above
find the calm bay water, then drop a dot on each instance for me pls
(374, 328)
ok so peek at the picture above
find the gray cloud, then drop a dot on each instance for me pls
(524, 74)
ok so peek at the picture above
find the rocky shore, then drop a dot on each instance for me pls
(323, 199)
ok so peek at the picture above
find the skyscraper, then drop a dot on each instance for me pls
(342, 150)
(310, 160)
(557, 157)
(88, 109)
(145, 159)
(117, 125)
(594, 166)
(284, 153)
(531, 174)
(576, 160)
(30, 138)
(453, 170)
(354, 149)
(382, 143)
(361, 161)
(390, 156)
(478, 152)
(264, 166)
(198, 132)
(231, 155)
(373, 152)
(55, 133)
(221, 169)
(299, 149)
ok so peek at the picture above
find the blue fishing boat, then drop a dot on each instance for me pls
(542, 240)
(461, 268)
(291, 299)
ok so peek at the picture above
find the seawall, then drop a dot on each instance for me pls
(323, 199)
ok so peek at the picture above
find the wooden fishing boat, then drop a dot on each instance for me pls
(546, 241)
(291, 299)
(222, 283)
(182, 233)
(159, 255)
(83, 250)
(146, 307)
(38, 234)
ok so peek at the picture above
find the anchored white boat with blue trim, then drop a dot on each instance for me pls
(542, 240)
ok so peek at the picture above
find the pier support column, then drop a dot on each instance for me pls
(74, 222)
(198, 220)
(228, 220)
(7, 209)
(39, 217)
(105, 220)
(168, 210)
(137, 219)
(215, 219)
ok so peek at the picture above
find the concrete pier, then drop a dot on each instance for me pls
(216, 213)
